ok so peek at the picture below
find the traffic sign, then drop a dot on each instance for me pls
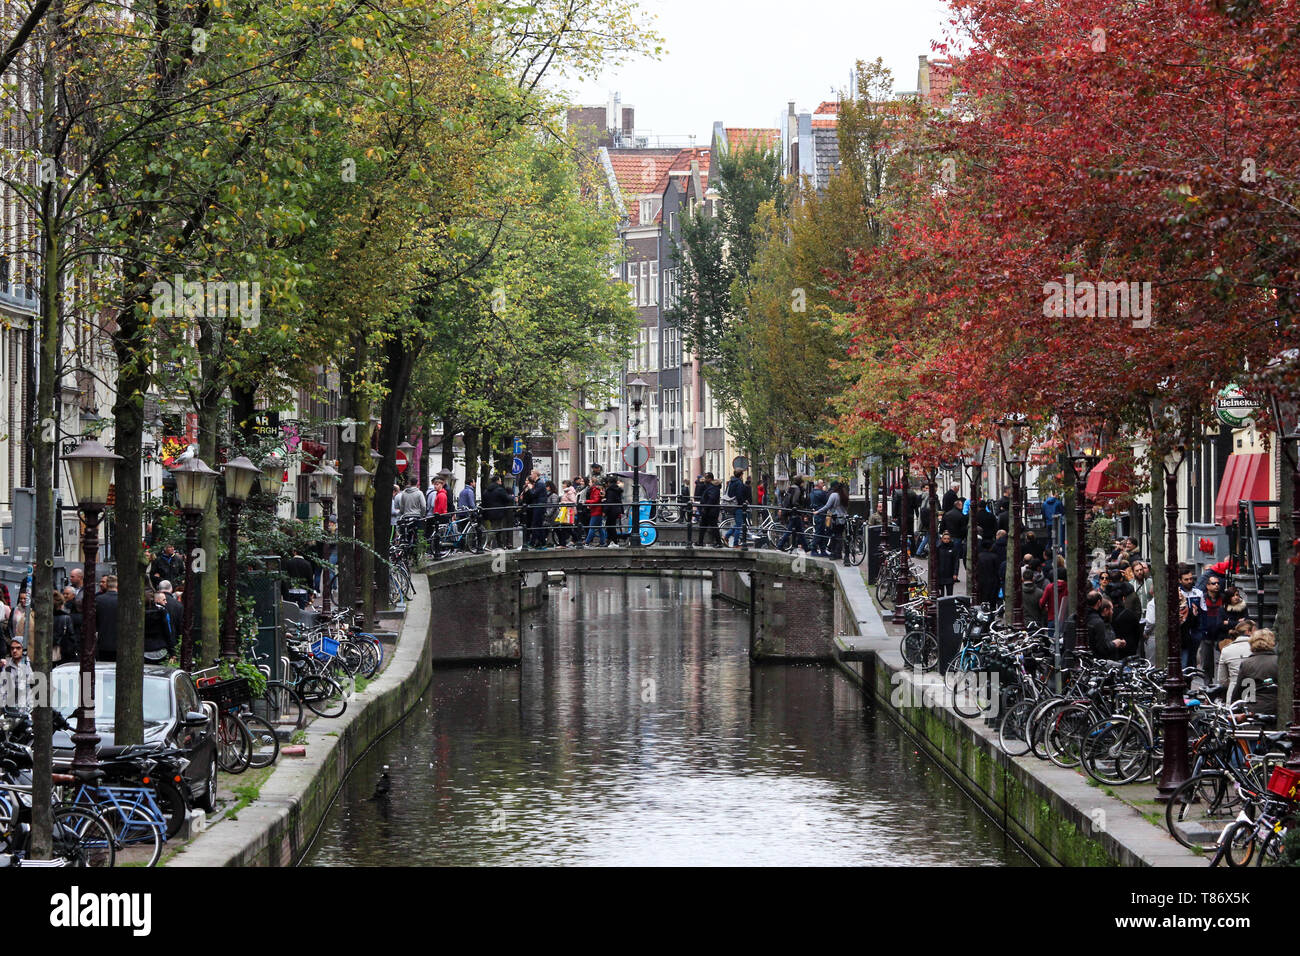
(635, 454)
(740, 463)
(516, 466)
(401, 461)
(519, 447)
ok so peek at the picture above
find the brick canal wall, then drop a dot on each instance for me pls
(1052, 813)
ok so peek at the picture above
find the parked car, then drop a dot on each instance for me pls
(173, 717)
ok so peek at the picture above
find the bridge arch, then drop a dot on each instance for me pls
(478, 601)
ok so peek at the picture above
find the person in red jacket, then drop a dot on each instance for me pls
(596, 521)
(1054, 597)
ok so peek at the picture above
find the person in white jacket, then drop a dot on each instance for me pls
(1231, 657)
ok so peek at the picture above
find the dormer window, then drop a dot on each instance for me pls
(649, 209)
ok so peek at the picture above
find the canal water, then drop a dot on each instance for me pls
(635, 731)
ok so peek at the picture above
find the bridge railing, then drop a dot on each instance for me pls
(545, 524)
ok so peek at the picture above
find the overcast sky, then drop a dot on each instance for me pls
(741, 61)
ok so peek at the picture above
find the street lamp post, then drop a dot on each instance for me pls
(1286, 419)
(90, 466)
(326, 480)
(1014, 434)
(240, 475)
(360, 485)
(1174, 771)
(195, 485)
(1083, 448)
(636, 395)
(902, 592)
(974, 456)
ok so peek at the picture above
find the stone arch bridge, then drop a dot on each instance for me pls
(478, 601)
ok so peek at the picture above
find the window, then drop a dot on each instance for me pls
(645, 282)
(672, 347)
(672, 223)
(654, 283)
(562, 469)
(632, 284)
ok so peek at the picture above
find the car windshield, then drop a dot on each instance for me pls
(64, 697)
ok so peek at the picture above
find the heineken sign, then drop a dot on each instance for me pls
(1234, 407)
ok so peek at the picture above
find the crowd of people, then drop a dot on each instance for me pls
(1119, 605)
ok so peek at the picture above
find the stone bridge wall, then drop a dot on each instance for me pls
(478, 601)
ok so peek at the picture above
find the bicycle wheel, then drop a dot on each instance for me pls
(234, 745)
(170, 800)
(323, 696)
(395, 593)
(956, 667)
(1198, 809)
(266, 745)
(283, 706)
(856, 542)
(1039, 720)
(973, 694)
(83, 838)
(1063, 735)
(920, 649)
(138, 834)
(886, 586)
(1116, 751)
(1013, 737)
(774, 535)
(1239, 843)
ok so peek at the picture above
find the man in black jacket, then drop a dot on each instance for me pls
(792, 504)
(159, 630)
(106, 620)
(985, 522)
(947, 558)
(710, 493)
(986, 574)
(166, 567)
(498, 502)
(955, 523)
(1101, 638)
(738, 490)
(175, 610)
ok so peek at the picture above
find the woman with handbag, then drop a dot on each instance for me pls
(568, 507)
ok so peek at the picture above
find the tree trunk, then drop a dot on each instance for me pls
(1159, 571)
(449, 452)
(471, 453)
(134, 354)
(41, 440)
(243, 409)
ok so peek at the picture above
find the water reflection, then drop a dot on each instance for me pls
(636, 732)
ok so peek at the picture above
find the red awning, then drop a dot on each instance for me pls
(1245, 479)
(1103, 484)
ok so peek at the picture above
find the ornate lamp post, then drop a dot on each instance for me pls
(326, 481)
(90, 466)
(932, 549)
(1286, 419)
(1165, 418)
(901, 595)
(636, 395)
(273, 479)
(360, 485)
(195, 485)
(240, 475)
(1084, 449)
(974, 457)
(1014, 435)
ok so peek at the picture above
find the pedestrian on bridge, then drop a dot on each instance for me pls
(595, 513)
(739, 492)
(710, 496)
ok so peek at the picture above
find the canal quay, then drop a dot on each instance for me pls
(634, 725)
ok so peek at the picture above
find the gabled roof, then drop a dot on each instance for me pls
(645, 172)
(940, 83)
(828, 106)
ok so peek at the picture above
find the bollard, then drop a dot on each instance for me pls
(690, 515)
(744, 527)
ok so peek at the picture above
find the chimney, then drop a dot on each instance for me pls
(923, 76)
(628, 123)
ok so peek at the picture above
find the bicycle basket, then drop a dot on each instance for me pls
(224, 693)
(325, 647)
(1284, 783)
